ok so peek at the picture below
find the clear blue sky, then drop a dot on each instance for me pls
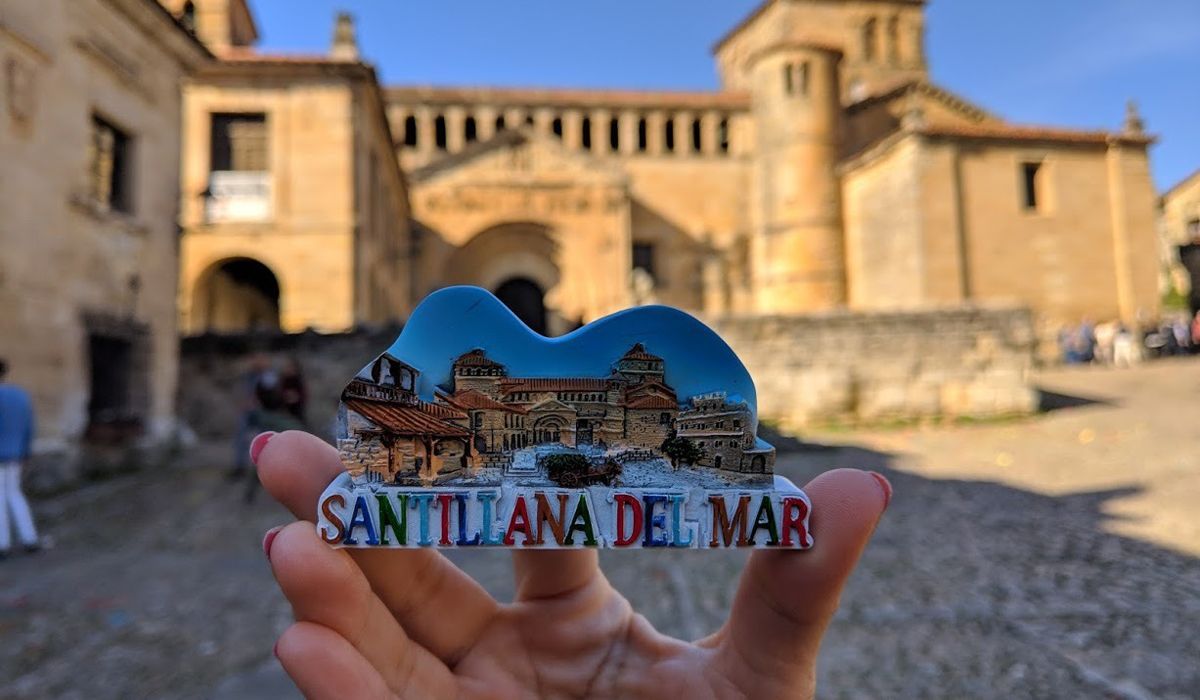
(1059, 62)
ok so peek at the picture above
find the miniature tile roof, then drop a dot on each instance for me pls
(554, 384)
(651, 401)
(423, 419)
(638, 352)
(475, 358)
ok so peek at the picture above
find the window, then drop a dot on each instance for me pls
(664, 418)
(1031, 180)
(410, 131)
(868, 40)
(802, 77)
(788, 83)
(737, 424)
(500, 123)
(556, 126)
(669, 135)
(614, 134)
(697, 135)
(643, 258)
(723, 135)
(109, 164)
(717, 461)
(239, 143)
(641, 135)
(470, 132)
(585, 133)
(439, 132)
(477, 419)
(529, 119)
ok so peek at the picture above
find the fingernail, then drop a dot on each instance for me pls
(885, 485)
(260, 441)
(268, 540)
(275, 649)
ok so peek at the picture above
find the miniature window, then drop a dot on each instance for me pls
(585, 133)
(477, 419)
(410, 131)
(717, 461)
(664, 418)
(737, 424)
(439, 132)
(109, 164)
(643, 258)
(470, 132)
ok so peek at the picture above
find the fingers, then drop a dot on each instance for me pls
(324, 666)
(552, 573)
(439, 606)
(325, 587)
(787, 598)
(295, 467)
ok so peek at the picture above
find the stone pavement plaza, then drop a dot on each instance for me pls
(1057, 556)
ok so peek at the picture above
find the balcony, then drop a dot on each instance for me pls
(237, 196)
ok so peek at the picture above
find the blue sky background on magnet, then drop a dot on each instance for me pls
(456, 320)
(1069, 63)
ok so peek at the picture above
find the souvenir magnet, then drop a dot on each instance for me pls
(637, 430)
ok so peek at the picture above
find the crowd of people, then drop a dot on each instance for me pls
(1117, 344)
(271, 398)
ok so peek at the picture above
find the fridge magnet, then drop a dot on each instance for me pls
(638, 430)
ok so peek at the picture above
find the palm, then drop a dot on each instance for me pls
(378, 623)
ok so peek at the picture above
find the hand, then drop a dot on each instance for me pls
(410, 624)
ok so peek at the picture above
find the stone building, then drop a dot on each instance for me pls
(633, 407)
(89, 144)
(725, 431)
(294, 210)
(826, 171)
(1179, 225)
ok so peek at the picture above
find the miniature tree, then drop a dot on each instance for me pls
(680, 450)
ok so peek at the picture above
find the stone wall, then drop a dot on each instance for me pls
(860, 366)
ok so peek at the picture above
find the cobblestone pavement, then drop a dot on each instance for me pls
(1050, 557)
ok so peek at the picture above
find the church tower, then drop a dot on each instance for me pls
(797, 245)
(222, 25)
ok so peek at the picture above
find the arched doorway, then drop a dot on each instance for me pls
(234, 295)
(526, 299)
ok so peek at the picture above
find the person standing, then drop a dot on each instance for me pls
(16, 439)
(258, 371)
(295, 393)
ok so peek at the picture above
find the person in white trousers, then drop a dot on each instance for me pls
(16, 438)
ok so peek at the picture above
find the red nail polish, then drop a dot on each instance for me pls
(256, 447)
(885, 485)
(268, 540)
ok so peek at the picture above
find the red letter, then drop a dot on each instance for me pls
(444, 500)
(334, 520)
(796, 521)
(624, 499)
(519, 510)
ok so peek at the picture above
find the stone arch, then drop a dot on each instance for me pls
(549, 429)
(235, 294)
(516, 257)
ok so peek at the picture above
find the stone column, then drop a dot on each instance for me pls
(683, 133)
(571, 120)
(629, 131)
(600, 119)
(485, 122)
(425, 130)
(455, 116)
(709, 122)
(655, 140)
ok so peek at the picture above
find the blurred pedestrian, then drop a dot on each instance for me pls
(1106, 334)
(271, 415)
(258, 369)
(16, 441)
(295, 393)
(1125, 348)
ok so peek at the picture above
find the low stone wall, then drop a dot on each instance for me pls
(211, 368)
(873, 366)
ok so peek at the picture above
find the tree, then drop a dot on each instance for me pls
(681, 450)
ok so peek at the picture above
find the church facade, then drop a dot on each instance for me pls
(827, 171)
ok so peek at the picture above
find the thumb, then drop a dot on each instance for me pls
(786, 598)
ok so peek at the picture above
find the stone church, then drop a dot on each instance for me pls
(827, 171)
